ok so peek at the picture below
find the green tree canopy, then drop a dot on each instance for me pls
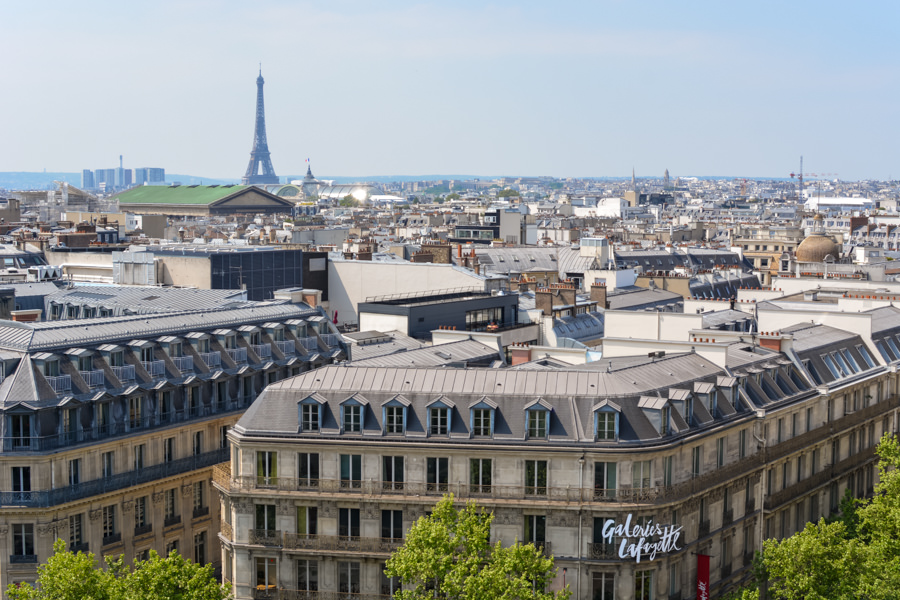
(507, 193)
(448, 555)
(855, 556)
(69, 576)
(349, 201)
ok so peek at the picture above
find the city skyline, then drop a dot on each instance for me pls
(576, 90)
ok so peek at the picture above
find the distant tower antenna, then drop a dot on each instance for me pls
(800, 182)
(120, 161)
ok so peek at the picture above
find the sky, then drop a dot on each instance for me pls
(364, 88)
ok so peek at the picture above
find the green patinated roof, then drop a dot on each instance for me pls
(182, 194)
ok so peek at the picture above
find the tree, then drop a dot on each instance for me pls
(349, 201)
(448, 555)
(453, 196)
(854, 556)
(69, 576)
(507, 193)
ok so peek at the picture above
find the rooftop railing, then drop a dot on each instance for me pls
(124, 373)
(60, 383)
(156, 368)
(286, 347)
(183, 363)
(238, 355)
(94, 378)
(212, 359)
(263, 351)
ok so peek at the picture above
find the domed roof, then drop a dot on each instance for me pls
(816, 247)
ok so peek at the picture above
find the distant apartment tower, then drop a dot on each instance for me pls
(149, 175)
(87, 179)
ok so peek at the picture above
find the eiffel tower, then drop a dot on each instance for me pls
(259, 155)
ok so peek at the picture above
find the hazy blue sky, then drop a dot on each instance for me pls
(395, 87)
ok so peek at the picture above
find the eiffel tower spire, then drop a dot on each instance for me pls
(259, 155)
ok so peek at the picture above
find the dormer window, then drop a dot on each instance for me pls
(481, 417)
(537, 423)
(352, 414)
(51, 368)
(147, 354)
(439, 416)
(393, 415)
(664, 420)
(230, 342)
(203, 345)
(175, 350)
(311, 414)
(606, 421)
(85, 363)
(255, 339)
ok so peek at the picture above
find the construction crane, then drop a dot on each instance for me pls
(800, 175)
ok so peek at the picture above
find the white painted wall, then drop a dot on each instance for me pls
(376, 322)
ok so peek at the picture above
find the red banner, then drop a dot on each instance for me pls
(702, 577)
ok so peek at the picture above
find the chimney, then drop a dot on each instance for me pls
(598, 295)
(543, 299)
(519, 355)
(567, 293)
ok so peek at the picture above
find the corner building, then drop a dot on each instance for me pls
(329, 469)
(110, 427)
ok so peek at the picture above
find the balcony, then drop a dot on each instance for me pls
(238, 355)
(726, 571)
(262, 592)
(213, 360)
(21, 559)
(310, 344)
(200, 512)
(109, 540)
(750, 505)
(331, 339)
(95, 487)
(748, 558)
(287, 348)
(704, 528)
(172, 520)
(156, 368)
(727, 516)
(82, 547)
(185, 364)
(124, 373)
(546, 548)
(338, 543)
(60, 383)
(93, 379)
(265, 537)
(143, 529)
(602, 551)
(263, 351)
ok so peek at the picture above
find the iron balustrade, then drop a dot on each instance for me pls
(310, 344)
(339, 543)
(183, 363)
(82, 547)
(200, 512)
(124, 373)
(238, 355)
(95, 378)
(109, 540)
(263, 593)
(55, 497)
(60, 383)
(212, 359)
(602, 551)
(155, 368)
(286, 347)
(142, 529)
(173, 520)
(262, 350)
(19, 559)
(704, 528)
(331, 339)
(265, 537)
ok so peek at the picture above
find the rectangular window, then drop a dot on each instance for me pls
(308, 469)
(392, 524)
(76, 531)
(139, 457)
(720, 452)
(640, 474)
(436, 474)
(439, 420)
(392, 472)
(135, 406)
(480, 475)
(481, 422)
(267, 468)
(606, 426)
(307, 520)
(535, 530)
(667, 471)
(108, 516)
(169, 449)
(643, 585)
(109, 460)
(536, 477)
(200, 548)
(309, 417)
(352, 418)
(171, 546)
(537, 423)
(21, 430)
(603, 586)
(348, 522)
(308, 575)
(389, 585)
(140, 512)
(265, 517)
(742, 443)
(348, 577)
(266, 574)
(605, 480)
(170, 504)
(696, 453)
(199, 497)
(351, 470)
(393, 419)
(223, 436)
(75, 471)
(198, 443)
(794, 425)
(23, 539)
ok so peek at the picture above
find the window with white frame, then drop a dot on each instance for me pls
(537, 423)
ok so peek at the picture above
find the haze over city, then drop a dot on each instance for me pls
(565, 89)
